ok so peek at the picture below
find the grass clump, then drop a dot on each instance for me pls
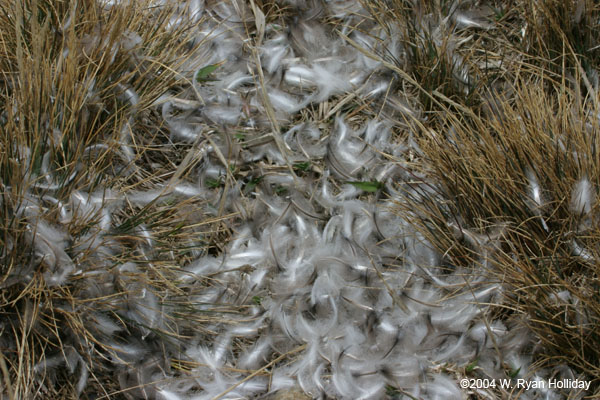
(553, 29)
(517, 196)
(506, 173)
(107, 187)
(85, 268)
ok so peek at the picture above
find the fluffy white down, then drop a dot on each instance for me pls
(353, 299)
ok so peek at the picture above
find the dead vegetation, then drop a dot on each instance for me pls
(80, 137)
(100, 208)
(509, 167)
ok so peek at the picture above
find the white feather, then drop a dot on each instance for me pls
(325, 287)
(583, 197)
(344, 383)
(256, 355)
(129, 94)
(49, 362)
(49, 244)
(453, 349)
(372, 389)
(282, 379)
(105, 324)
(127, 352)
(443, 388)
(221, 348)
(480, 332)
(202, 267)
(237, 79)
(284, 102)
(582, 252)
(188, 190)
(83, 376)
(183, 131)
(465, 20)
(225, 115)
(246, 329)
(165, 394)
(536, 201)
(273, 52)
(147, 311)
(331, 81)
(250, 256)
(204, 356)
(454, 317)
(561, 298)
(300, 75)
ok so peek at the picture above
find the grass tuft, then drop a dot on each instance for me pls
(508, 201)
(84, 268)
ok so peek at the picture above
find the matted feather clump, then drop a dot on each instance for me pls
(292, 199)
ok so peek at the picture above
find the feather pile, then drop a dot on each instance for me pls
(334, 292)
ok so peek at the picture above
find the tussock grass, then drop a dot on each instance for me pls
(100, 208)
(78, 130)
(553, 29)
(433, 47)
(508, 202)
(515, 154)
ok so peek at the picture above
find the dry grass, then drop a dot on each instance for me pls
(503, 154)
(506, 122)
(486, 213)
(78, 126)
